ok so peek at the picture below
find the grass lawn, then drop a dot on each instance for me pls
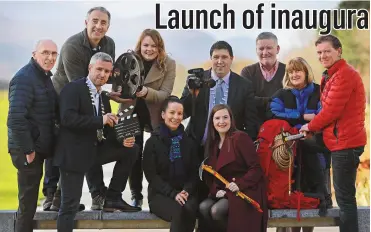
(8, 173)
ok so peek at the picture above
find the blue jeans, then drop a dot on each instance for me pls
(344, 165)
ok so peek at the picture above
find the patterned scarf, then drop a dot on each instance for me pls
(175, 148)
(176, 171)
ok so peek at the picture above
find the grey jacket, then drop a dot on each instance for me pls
(75, 56)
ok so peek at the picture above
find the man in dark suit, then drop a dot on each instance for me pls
(230, 89)
(31, 126)
(86, 120)
(73, 64)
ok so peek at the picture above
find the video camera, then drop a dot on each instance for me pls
(198, 79)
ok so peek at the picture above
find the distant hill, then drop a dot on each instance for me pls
(4, 85)
(188, 48)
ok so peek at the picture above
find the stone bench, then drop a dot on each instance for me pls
(146, 220)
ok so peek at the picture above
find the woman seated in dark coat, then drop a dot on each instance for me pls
(297, 103)
(170, 165)
(232, 154)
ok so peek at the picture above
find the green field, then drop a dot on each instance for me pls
(8, 173)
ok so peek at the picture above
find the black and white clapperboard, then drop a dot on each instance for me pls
(128, 124)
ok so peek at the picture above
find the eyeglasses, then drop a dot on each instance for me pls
(48, 53)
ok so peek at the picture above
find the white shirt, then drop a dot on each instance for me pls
(96, 95)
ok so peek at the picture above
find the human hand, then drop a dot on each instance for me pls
(185, 194)
(220, 193)
(30, 157)
(110, 119)
(143, 92)
(180, 199)
(129, 142)
(233, 186)
(308, 117)
(116, 96)
(304, 130)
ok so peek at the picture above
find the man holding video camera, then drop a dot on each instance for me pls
(218, 85)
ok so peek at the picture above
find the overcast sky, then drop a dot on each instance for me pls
(75, 11)
(61, 19)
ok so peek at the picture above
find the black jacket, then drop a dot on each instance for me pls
(77, 142)
(32, 110)
(240, 99)
(156, 164)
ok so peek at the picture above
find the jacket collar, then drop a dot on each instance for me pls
(306, 90)
(157, 131)
(336, 66)
(86, 42)
(39, 69)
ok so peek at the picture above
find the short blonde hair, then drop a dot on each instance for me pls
(297, 64)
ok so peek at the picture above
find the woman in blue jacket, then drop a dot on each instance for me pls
(297, 103)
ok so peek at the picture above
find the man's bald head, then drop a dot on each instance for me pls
(45, 54)
(43, 42)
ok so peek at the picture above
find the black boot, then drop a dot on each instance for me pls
(56, 203)
(137, 202)
(118, 205)
(48, 201)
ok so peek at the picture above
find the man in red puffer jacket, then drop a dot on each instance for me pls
(342, 120)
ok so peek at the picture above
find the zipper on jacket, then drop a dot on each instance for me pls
(335, 131)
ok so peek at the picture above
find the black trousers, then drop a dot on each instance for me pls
(29, 177)
(107, 153)
(312, 173)
(182, 218)
(136, 175)
(71, 182)
(344, 170)
(203, 192)
(51, 177)
(71, 187)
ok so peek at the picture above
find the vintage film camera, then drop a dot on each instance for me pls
(128, 74)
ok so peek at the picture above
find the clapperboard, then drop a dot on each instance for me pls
(128, 125)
